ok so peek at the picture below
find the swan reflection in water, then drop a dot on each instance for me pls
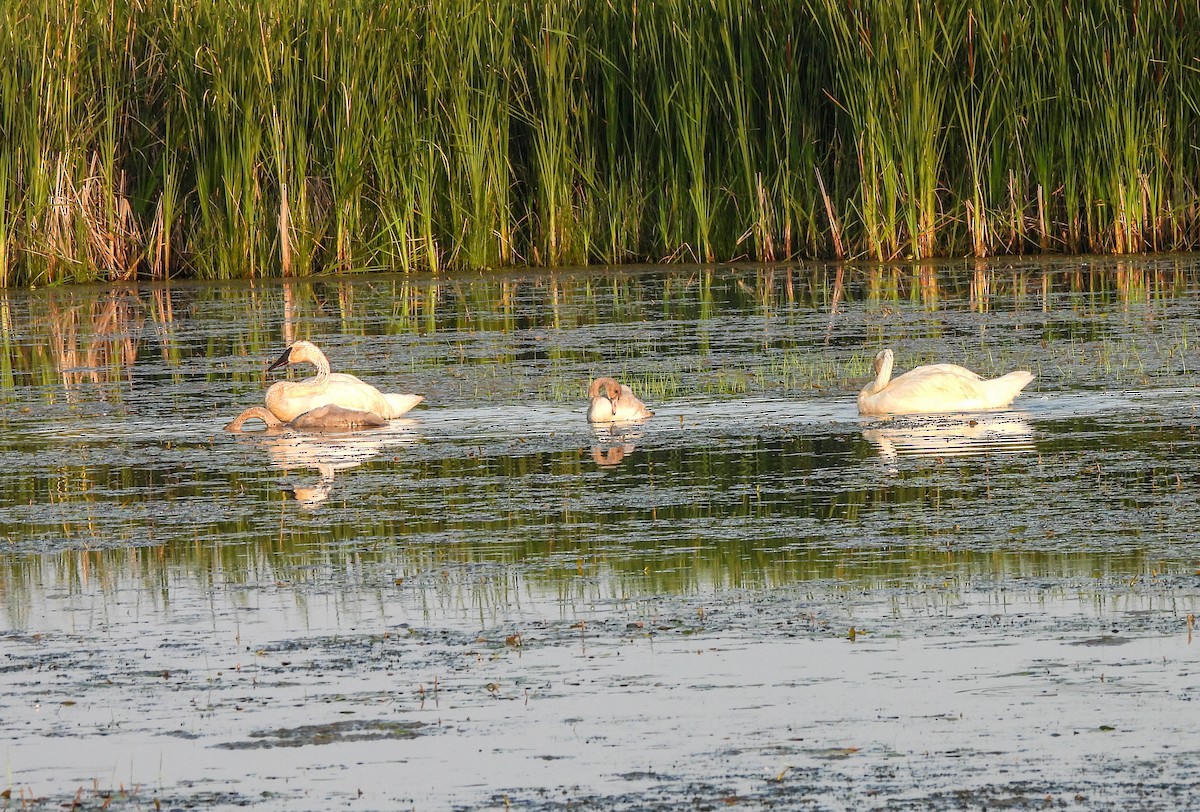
(325, 452)
(951, 435)
(611, 444)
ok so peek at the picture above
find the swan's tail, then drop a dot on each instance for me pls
(1018, 380)
(1007, 387)
(401, 404)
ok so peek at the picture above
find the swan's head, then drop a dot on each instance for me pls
(298, 353)
(883, 370)
(603, 394)
(612, 389)
(884, 359)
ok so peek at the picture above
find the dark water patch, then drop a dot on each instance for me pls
(91, 795)
(1103, 640)
(357, 730)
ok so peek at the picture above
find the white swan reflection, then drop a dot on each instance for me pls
(327, 453)
(951, 436)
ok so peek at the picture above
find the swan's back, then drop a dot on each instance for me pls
(333, 418)
(288, 400)
(629, 407)
(347, 390)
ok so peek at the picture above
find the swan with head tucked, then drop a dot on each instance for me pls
(287, 400)
(936, 388)
(612, 402)
(323, 418)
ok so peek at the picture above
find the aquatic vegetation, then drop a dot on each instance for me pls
(189, 139)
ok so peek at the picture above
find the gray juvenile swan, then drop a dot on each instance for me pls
(322, 418)
(287, 400)
(936, 388)
(615, 404)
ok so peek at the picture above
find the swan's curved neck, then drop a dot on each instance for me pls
(607, 384)
(314, 356)
(253, 413)
(883, 371)
(318, 360)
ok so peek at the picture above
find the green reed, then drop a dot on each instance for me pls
(183, 138)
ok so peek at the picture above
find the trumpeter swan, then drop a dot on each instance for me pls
(616, 404)
(936, 388)
(323, 418)
(287, 400)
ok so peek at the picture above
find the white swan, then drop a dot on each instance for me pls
(616, 404)
(936, 388)
(323, 418)
(287, 400)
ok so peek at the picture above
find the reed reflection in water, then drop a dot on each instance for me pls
(735, 318)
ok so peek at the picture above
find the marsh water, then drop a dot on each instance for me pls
(754, 599)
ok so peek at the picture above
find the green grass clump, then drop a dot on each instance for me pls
(160, 138)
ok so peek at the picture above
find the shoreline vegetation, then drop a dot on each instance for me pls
(191, 139)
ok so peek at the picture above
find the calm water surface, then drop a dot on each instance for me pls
(754, 598)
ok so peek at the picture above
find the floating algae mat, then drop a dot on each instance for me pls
(755, 598)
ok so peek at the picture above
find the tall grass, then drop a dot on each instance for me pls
(186, 138)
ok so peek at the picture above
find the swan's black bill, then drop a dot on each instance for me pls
(281, 361)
